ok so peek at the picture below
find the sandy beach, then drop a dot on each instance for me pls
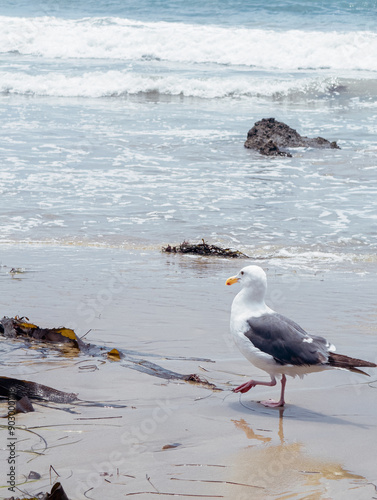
(123, 130)
(157, 437)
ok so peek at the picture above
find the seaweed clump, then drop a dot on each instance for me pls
(22, 390)
(19, 328)
(203, 249)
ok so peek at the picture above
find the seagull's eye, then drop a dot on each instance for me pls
(242, 273)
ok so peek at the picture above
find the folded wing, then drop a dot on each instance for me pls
(286, 341)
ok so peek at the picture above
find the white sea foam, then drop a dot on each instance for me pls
(311, 260)
(112, 57)
(123, 39)
(115, 83)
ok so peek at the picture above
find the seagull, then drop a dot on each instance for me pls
(275, 343)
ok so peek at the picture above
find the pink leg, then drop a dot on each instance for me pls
(273, 404)
(252, 383)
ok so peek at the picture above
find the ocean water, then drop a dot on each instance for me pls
(123, 126)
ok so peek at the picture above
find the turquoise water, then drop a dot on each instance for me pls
(276, 14)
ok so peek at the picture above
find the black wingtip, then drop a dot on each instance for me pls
(356, 370)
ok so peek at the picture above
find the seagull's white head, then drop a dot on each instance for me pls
(253, 279)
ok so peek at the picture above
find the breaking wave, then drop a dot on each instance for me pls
(128, 40)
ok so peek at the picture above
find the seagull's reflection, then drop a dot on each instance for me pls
(277, 468)
(250, 434)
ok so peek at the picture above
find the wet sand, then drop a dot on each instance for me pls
(173, 437)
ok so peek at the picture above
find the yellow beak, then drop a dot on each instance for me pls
(232, 280)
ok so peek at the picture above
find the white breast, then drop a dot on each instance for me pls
(240, 314)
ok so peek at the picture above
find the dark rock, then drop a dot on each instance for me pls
(268, 136)
(271, 149)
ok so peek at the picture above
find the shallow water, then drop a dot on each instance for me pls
(113, 135)
(162, 181)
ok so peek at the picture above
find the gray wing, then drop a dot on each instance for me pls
(286, 341)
